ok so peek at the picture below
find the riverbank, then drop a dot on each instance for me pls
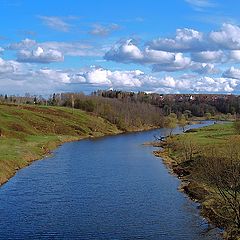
(183, 154)
(29, 133)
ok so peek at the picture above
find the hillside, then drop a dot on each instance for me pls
(30, 132)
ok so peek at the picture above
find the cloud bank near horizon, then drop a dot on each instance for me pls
(191, 61)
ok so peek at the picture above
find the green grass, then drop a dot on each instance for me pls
(207, 142)
(30, 132)
(216, 134)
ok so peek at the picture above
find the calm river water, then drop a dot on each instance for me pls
(108, 188)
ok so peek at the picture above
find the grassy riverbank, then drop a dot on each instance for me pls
(31, 132)
(191, 157)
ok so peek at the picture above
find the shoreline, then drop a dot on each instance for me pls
(195, 190)
(186, 188)
(49, 151)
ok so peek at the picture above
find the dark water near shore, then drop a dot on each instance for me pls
(108, 188)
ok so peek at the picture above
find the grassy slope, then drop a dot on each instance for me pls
(30, 132)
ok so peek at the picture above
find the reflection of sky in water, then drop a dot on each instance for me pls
(109, 188)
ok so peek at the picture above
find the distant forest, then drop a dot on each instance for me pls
(196, 104)
(137, 109)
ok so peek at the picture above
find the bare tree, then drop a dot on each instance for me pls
(182, 122)
(188, 147)
(72, 102)
(170, 122)
(221, 170)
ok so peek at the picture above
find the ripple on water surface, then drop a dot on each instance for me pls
(109, 188)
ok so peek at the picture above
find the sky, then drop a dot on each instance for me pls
(174, 46)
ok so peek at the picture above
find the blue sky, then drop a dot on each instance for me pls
(175, 46)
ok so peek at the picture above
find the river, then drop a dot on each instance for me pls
(106, 188)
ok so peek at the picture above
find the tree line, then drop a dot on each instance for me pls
(195, 104)
(198, 105)
(127, 109)
(124, 113)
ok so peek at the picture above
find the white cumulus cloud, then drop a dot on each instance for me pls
(185, 40)
(197, 85)
(204, 68)
(101, 76)
(67, 48)
(227, 38)
(208, 56)
(40, 55)
(24, 44)
(125, 52)
(9, 66)
(179, 63)
(234, 55)
(232, 72)
(128, 52)
(56, 75)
